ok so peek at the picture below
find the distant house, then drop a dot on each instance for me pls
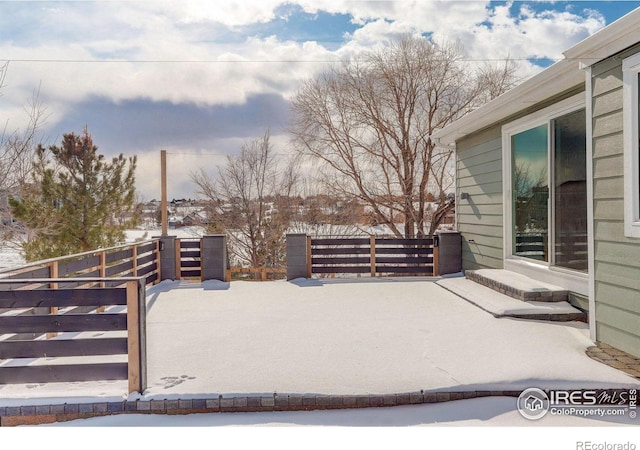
(548, 180)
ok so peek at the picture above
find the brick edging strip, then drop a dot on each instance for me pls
(43, 414)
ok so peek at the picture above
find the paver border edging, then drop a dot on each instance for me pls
(45, 414)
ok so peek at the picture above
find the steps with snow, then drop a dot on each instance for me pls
(501, 305)
(518, 286)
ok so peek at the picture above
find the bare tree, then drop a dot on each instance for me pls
(17, 152)
(369, 123)
(249, 200)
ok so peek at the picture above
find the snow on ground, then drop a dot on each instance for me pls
(477, 412)
(358, 336)
(475, 423)
(345, 336)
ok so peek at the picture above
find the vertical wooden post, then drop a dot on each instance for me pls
(178, 261)
(263, 273)
(436, 252)
(372, 259)
(136, 348)
(308, 256)
(102, 256)
(53, 273)
(201, 260)
(134, 260)
(163, 182)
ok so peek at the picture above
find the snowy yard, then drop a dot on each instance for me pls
(340, 337)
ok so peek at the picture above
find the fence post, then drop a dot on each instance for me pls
(134, 257)
(449, 252)
(53, 273)
(103, 274)
(213, 257)
(372, 252)
(167, 258)
(178, 259)
(136, 336)
(298, 255)
(309, 257)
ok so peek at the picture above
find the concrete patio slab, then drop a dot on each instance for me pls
(311, 338)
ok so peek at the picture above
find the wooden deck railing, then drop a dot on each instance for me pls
(373, 255)
(76, 316)
(132, 260)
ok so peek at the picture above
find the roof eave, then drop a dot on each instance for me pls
(554, 80)
(608, 41)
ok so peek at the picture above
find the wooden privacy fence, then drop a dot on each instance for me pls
(373, 255)
(188, 258)
(134, 260)
(103, 324)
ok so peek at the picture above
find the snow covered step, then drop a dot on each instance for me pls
(500, 305)
(518, 286)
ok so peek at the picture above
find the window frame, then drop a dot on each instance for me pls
(631, 98)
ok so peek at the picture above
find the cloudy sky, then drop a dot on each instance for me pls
(199, 78)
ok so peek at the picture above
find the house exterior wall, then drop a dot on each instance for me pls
(616, 258)
(479, 218)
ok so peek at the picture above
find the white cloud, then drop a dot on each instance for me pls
(201, 52)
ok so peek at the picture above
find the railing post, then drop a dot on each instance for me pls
(298, 256)
(134, 256)
(53, 274)
(102, 256)
(213, 257)
(178, 259)
(136, 336)
(309, 257)
(372, 252)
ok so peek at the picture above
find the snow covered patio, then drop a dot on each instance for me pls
(365, 336)
(339, 337)
(358, 336)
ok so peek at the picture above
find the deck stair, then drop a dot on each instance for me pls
(508, 294)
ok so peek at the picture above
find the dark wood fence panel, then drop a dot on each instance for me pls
(188, 258)
(61, 315)
(56, 347)
(404, 256)
(375, 256)
(123, 261)
(68, 373)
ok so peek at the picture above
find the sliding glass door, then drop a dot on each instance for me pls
(549, 192)
(570, 191)
(529, 175)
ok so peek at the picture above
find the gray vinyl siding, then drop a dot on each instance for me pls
(480, 218)
(617, 258)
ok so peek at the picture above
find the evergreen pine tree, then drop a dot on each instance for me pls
(75, 201)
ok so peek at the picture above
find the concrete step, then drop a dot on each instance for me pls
(518, 286)
(501, 305)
